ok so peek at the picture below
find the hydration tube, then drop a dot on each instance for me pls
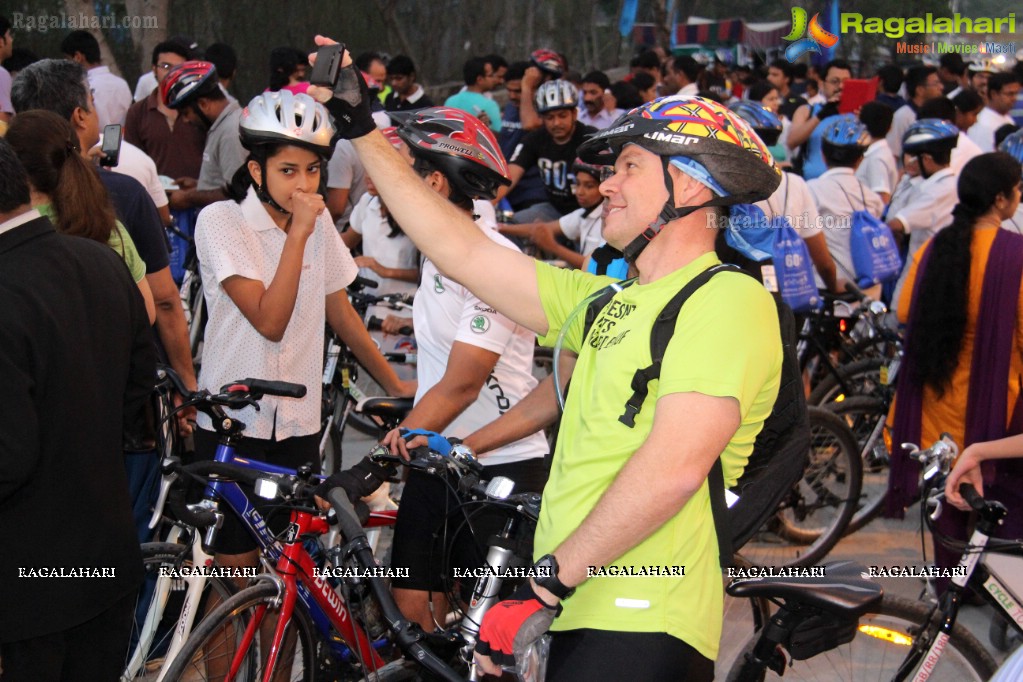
(569, 321)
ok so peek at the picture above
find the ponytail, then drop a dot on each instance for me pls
(938, 319)
(81, 202)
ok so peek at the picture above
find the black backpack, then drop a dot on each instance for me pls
(781, 451)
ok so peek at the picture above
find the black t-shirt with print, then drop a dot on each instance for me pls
(554, 162)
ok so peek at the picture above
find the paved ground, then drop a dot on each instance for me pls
(883, 542)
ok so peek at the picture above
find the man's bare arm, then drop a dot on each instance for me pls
(652, 486)
(450, 239)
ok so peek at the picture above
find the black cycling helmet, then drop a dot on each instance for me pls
(555, 95)
(187, 82)
(598, 172)
(700, 134)
(459, 145)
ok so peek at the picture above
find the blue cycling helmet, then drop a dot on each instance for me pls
(763, 121)
(844, 131)
(930, 136)
(1013, 146)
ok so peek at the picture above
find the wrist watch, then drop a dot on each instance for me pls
(545, 572)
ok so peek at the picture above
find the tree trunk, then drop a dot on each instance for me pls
(77, 8)
(145, 39)
(388, 10)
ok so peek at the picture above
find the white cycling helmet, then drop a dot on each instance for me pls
(276, 117)
(554, 95)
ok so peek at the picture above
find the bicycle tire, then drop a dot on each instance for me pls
(157, 555)
(861, 413)
(862, 377)
(878, 657)
(235, 613)
(813, 516)
(330, 456)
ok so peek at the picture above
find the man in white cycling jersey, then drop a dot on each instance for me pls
(622, 497)
(474, 364)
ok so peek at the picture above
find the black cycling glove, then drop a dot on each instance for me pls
(829, 109)
(350, 105)
(359, 481)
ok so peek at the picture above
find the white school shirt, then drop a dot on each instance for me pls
(878, 170)
(241, 239)
(964, 150)
(926, 210)
(903, 118)
(584, 227)
(145, 86)
(391, 252)
(838, 195)
(110, 94)
(136, 163)
(794, 200)
(445, 312)
(983, 131)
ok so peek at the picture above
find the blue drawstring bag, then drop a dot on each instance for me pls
(750, 233)
(875, 254)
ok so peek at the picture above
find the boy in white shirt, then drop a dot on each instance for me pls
(878, 169)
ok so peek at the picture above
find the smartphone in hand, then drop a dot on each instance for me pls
(111, 146)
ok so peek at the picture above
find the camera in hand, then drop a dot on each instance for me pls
(327, 66)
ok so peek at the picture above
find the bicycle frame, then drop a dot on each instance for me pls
(325, 607)
(986, 582)
(196, 580)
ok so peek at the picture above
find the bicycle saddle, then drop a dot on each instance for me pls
(387, 408)
(841, 590)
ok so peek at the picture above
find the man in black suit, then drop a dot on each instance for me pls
(77, 363)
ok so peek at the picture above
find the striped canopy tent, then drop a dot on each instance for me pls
(727, 32)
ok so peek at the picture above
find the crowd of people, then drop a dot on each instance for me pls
(288, 197)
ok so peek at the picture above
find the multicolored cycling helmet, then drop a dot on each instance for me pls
(700, 137)
(275, 117)
(845, 131)
(391, 133)
(1013, 146)
(598, 172)
(187, 82)
(554, 95)
(548, 61)
(459, 145)
(929, 136)
(763, 121)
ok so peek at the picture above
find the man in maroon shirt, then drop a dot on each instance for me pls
(175, 145)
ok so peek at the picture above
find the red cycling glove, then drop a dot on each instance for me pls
(513, 624)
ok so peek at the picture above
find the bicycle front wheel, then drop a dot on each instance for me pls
(219, 641)
(881, 645)
(160, 604)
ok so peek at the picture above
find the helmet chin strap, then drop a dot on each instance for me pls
(920, 162)
(264, 195)
(670, 212)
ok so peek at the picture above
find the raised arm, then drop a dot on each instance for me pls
(499, 276)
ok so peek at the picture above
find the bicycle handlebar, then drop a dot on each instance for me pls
(360, 283)
(260, 387)
(376, 324)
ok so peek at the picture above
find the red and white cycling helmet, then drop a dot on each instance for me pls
(548, 61)
(187, 82)
(459, 145)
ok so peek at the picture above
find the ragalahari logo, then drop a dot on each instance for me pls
(815, 38)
